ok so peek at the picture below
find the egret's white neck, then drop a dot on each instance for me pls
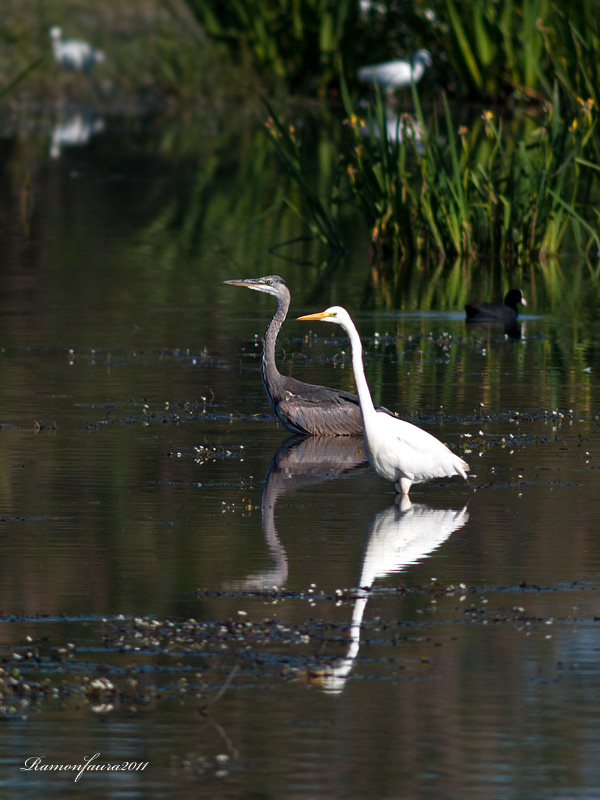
(362, 387)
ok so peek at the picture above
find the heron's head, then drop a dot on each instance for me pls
(270, 284)
(335, 314)
(55, 32)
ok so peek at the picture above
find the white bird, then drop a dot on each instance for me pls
(75, 130)
(392, 75)
(74, 54)
(397, 450)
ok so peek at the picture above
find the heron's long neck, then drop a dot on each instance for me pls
(362, 387)
(268, 367)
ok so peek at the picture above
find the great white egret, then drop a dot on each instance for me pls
(74, 54)
(302, 408)
(392, 75)
(397, 450)
(506, 312)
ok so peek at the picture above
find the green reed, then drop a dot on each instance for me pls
(323, 211)
(297, 41)
(495, 48)
(517, 187)
(510, 189)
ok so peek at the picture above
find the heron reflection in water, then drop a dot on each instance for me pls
(302, 408)
(299, 461)
(401, 535)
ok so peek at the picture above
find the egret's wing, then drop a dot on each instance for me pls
(423, 454)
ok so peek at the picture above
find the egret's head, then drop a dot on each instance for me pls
(55, 32)
(270, 284)
(423, 57)
(333, 314)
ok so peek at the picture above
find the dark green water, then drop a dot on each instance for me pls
(135, 446)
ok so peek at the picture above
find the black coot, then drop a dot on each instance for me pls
(506, 312)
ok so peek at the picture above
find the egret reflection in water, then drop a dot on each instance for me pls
(399, 127)
(74, 130)
(401, 535)
(299, 461)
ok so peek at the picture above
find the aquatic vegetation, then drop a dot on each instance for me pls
(488, 50)
(516, 187)
(300, 42)
(572, 42)
(508, 188)
(495, 48)
(323, 209)
(14, 82)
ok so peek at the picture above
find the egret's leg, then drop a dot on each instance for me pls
(403, 485)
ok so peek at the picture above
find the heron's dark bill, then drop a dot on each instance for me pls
(249, 283)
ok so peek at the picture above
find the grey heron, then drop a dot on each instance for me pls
(74, 54)
(392, 75)
(506, 312)
(302, 408)
(397, 450)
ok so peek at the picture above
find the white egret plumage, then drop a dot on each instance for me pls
(74, 54)
(392, 75)
(397, 450)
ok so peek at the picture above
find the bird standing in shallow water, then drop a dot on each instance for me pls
(506, 312)
(74, 54)
(302, 408)
(392, 75)
(397, 450)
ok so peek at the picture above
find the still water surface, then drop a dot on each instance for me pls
(150, 505)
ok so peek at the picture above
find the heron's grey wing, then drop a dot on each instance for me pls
(321, 411)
